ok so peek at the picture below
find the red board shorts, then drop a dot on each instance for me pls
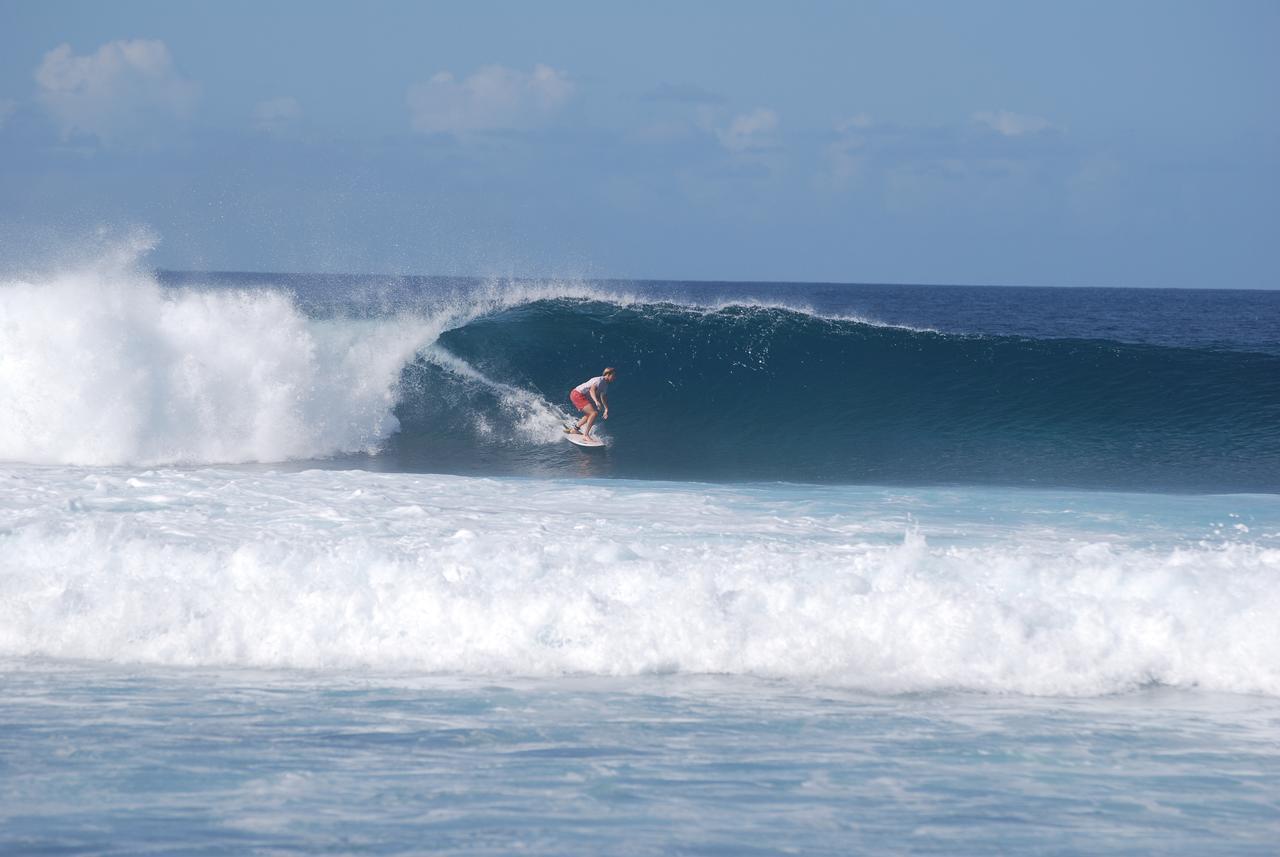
(579, 401)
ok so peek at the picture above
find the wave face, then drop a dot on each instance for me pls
(770, 393)
(108, 367)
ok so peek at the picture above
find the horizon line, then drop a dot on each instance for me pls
(711, 282)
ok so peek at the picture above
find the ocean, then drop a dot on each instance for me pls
(302, 563)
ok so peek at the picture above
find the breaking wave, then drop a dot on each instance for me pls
(107, 367)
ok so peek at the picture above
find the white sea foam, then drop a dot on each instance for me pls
(103, 366)
(484, 576)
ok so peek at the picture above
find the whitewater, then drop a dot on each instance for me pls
(286, 559)
(326, 569)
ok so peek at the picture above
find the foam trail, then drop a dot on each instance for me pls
(534, 419)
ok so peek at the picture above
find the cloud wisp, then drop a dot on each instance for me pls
(277, 116)
(749, 132)
(988, 164)
(682, 93)
(1011, 124)
(495, 98)
(122, 88)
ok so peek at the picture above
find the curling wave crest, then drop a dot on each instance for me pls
(108, 366)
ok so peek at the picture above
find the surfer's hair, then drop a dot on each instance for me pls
(609, 370)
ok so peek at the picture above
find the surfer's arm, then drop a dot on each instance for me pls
(604, 403)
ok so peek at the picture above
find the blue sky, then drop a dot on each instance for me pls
(1132, 143)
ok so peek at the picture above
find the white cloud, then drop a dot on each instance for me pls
(118, 89)
(277, 115)
(495, 98)
(749, 131)
(1011, 124)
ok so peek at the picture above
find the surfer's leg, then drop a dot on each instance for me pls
(583, 404)
(586, 422)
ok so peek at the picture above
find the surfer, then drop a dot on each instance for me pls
(592, 398)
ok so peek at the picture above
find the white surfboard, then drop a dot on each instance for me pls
(580, 440)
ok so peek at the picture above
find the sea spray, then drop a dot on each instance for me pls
(109, 367)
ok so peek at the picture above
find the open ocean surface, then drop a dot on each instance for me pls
(302, 564)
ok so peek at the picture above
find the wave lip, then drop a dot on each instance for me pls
(441, 574)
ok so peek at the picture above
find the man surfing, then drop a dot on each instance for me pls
(592, 398)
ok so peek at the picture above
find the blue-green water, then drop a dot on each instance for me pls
(126, 761)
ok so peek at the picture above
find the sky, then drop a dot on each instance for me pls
(1009, 143)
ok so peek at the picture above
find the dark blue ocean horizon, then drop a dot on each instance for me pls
(1221, 317)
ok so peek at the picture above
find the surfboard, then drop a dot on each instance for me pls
(579, 440)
